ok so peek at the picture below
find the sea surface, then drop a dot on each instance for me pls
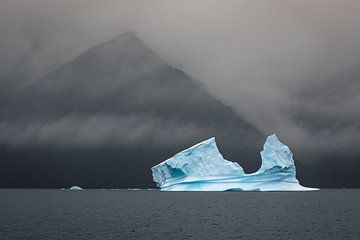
(128, 214)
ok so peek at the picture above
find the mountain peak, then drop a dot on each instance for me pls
(130, 35)
(124, 39)
(122, 99)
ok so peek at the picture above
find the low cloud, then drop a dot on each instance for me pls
(99, 131)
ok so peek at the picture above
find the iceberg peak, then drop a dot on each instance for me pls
(202, 159)
(276, 155)
(203, 168)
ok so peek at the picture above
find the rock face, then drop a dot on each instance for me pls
(203, 168)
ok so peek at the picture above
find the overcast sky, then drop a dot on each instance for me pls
(271, 60)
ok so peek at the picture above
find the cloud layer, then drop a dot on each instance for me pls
(99, 130)
(284, 65)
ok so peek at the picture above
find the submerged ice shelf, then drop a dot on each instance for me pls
(203, 168)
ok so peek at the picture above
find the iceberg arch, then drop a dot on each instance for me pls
(203, 168)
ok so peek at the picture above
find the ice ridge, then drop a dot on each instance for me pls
(203, 168)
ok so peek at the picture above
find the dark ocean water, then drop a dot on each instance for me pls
(124, 214)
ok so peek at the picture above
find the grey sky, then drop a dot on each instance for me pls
(260, 57)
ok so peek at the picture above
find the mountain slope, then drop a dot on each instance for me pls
(103, 119)
(328, 110)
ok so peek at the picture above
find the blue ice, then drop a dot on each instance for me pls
(203, 168)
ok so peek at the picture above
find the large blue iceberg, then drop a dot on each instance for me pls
(203, 168)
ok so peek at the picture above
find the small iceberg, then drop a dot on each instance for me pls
(203, 168)
(75, 188)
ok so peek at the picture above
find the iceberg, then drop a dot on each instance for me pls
(75, 188)
(203, 168)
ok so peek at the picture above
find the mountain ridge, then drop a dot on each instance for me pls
(126, 106)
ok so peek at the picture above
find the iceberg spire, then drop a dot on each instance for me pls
(276, 155)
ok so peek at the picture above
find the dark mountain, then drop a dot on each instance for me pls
(330, 109)
(330, 104)
(103, 119)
